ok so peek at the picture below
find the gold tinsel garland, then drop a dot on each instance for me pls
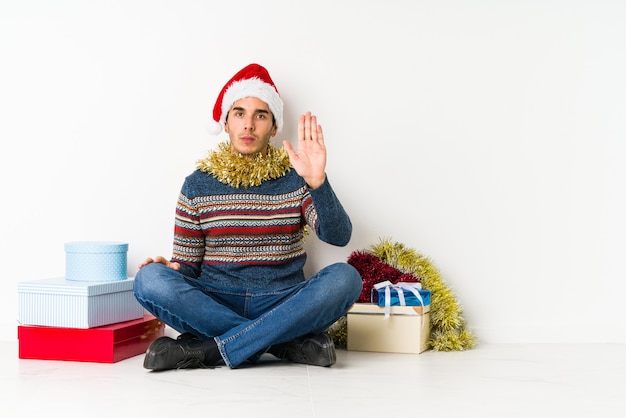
(448, 327)
(238, 170)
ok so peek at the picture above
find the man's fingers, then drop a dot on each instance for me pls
(308, 129)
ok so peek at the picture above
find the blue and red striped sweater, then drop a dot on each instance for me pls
(253, 238)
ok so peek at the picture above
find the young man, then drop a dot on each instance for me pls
(235, 287)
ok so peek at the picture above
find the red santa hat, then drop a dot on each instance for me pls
(251, 81)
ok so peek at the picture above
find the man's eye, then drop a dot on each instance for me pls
(261, 116)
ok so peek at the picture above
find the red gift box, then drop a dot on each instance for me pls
(105, 344)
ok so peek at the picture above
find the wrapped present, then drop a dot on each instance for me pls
(96, 261)
(405, 330)
(71, 304)
(400, 294)
(106, 344)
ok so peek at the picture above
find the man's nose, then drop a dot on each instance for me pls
(249, 124)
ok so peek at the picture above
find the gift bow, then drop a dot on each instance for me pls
(412, 287)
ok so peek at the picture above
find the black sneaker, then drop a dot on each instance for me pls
(166, 353)
(313, 349)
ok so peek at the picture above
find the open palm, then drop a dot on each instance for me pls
(310, 159)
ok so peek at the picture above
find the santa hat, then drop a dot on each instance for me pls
(251, 81)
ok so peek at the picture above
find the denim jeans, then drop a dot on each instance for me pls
(246, 322)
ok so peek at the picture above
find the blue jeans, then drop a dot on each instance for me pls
(246, 322)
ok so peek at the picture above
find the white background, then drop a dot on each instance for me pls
(487, 135)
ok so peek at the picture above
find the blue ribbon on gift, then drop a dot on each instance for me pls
(400, 287)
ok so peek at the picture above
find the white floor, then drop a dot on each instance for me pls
(489, 381)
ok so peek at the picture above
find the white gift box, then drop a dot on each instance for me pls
(405, 330)
(73, 304)
(97, 261)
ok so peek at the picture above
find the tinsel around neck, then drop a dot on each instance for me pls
(238, 170)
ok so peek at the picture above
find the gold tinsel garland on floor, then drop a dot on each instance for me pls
(448, 327)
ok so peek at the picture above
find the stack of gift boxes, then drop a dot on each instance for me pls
(89, 315)
(396, 321)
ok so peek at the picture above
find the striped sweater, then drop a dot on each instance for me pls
(253, 238)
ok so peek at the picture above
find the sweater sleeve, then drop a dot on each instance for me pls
(188, 248)
(328, 217)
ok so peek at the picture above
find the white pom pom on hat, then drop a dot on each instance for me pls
(251, 81)
(213, 128)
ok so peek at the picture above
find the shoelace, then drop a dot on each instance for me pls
(193, 359)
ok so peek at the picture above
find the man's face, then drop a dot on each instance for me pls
(250, 126)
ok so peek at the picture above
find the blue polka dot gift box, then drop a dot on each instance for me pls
(96, 261)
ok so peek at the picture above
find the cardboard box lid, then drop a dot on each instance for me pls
(62, 286)
(96, 247)
(115, 333)
(374, 309)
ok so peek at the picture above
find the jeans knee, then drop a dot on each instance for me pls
(146, 281)
(356, 281)
(350, 281)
